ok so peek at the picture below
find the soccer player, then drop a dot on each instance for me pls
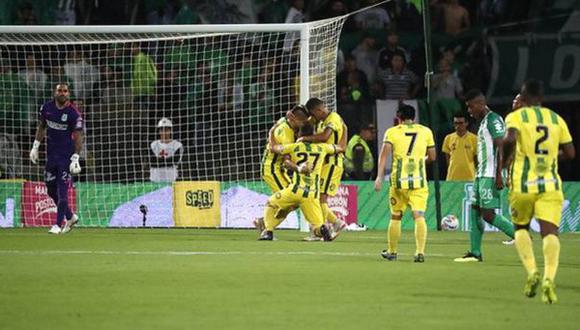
(166, 154)
(304, 189)
(536, 134)
(412, 146)
(273, 168)
(62, 123)
(331, 130)
(488, 177)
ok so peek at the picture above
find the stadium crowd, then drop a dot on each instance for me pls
(381, 56)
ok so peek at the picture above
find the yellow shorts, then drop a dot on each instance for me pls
(330, 179)
(310, 206)
(275, 178)
(414, 198)
(545, 206)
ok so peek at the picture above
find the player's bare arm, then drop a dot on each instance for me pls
(509, 145)
(567, 151)
(385, 152)
(317, 138)
(431, 155)
(342, 143)
(38, 137)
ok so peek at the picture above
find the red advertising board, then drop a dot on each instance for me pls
(38, 209)
(344, 204)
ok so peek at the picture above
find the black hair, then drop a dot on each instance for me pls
(533, 88)
(313, 103)
(302, 109)
(461, 115)
(307, 129)
(470, 95)
(406, 112)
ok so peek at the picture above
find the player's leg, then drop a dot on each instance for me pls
(418, 203)
(63, 182)
(333, 175)
(476, 228)
(490, 201)
(276, 180)
(547, 210)
(398, 200)
(51, 189)
(522, 206)
(310, 206)
(279, 200)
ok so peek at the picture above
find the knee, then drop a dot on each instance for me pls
(418, 215)
(488, 216)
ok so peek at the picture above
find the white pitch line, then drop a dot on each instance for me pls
(199, 253)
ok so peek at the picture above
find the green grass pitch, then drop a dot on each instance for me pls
(209, 279)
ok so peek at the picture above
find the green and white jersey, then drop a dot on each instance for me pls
(492, 126)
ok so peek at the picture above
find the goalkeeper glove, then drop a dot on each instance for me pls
(34, 152)
(75, 167)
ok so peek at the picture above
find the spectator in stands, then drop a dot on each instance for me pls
(398, 82)
(456, 18)
(353, 94)
(34, 77)
(449, 54)
(160, 11)
(10, 160)
(186, 15)
(373, 18)
(274, 12)
(366, 56)
(25, 15)
(391, 47)
(82, 74)
(359, 161)
(166, 154)
(16, 107)
(445, 84)
(143, 77)
(65, 12)
(295, 15)
(460, 150)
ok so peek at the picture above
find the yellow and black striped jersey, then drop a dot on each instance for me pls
(336, 124)
(540, 133)
(283, 134)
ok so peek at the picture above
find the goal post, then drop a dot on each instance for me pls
(221, 87)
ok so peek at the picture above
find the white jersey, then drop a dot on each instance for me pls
(492, 126)
(165, 160)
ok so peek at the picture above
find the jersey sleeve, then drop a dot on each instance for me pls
(512, 121)
(565, 136)
(329, 149)
(446, 148)
(76, 121)
(388, 137)
(430, 140)
(333, 123)
(288, 148)
(496, 127)
(282, 136)
(41, 113)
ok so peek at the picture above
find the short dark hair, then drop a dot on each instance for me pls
(306, 130)
(301, 109)
(461, 115)
(366, 126)
(473, 93)
(313, 103)
(534, 88)
(406, 112)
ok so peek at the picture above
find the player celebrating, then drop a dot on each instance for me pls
(305, 187)
(536, 133)
(488, 178)
(331, 130)
(62, 123)
(273, 165)
(409, 142)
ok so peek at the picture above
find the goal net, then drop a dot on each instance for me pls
(220, 88)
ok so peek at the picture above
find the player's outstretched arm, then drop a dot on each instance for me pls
(38, 137)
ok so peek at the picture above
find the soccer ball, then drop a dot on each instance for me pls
(449, 223)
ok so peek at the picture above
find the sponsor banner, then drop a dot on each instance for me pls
(38, 208)
(196, 203)
(10, 203)
(553, 58)
(153, 209)
(344, 204)
(240, 206)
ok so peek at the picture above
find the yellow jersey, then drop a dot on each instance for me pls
(314, 154)
(410, 143)
(540, 134)
(283, 134)
(336, 124)
(462, 151)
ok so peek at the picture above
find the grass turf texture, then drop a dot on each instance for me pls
(176, 279)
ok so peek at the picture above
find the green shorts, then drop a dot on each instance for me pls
(485, 195)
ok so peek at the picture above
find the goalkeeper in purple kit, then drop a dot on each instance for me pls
(62, 124)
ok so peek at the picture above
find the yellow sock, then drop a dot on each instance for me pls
(551, 256)
(270, 220)
(420, 235)
(394, 235)
(328, 214)
(525, 250)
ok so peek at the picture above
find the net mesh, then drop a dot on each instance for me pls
(221, 91)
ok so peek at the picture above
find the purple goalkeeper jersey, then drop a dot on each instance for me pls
(60, 125)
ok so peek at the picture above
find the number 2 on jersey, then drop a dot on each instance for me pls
(412, 144)
(304, 156)
(544, 130)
